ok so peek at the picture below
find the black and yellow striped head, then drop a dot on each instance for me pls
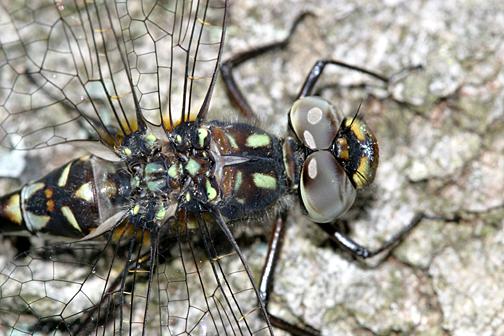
(356, 149)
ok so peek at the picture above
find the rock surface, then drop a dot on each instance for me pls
(440, 131)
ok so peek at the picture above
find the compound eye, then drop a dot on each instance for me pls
(326, 191)
(314, 121)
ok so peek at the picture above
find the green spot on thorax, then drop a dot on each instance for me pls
(232, 141)
(161, 213)
(135, 182)
(210, 190)
(156, 185)
(202, 135)
(238, 180)
(264, 181)
(152, 168)
(126, 151)
(150, 138)
(192, 167)
(258, 140)
(173, 170)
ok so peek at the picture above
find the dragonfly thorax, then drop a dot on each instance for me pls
(167, 175)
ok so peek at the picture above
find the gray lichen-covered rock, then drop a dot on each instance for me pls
(441, 136)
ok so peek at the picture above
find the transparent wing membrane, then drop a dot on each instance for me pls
(96, 70)
(190, 283)
(99, 71)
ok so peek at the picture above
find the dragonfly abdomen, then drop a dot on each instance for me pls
(66, 202)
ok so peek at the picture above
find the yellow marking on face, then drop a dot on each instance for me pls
(68, 214)
(12, 209)
(264, 181)
(363, 169)
(358, 127)
(136, 209)
(258, 140)
(85, 192)
(64, 175)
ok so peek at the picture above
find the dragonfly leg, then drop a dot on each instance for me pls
(363, 252)
(320, 65)
(266, 285)
(234, 92)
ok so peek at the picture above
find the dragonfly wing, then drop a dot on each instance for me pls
(98, 70)
(174, 49)
(206, 288)
(191, 281)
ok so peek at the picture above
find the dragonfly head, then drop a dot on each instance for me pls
(340, 155)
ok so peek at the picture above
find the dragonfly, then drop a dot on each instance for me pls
(149, 216)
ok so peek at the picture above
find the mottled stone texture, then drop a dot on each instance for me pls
(441, 136)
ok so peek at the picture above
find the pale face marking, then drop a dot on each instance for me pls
(314, 115)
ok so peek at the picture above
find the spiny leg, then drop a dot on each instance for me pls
(318, 68)
(234, 92)
(363, 252)
(267, 279)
